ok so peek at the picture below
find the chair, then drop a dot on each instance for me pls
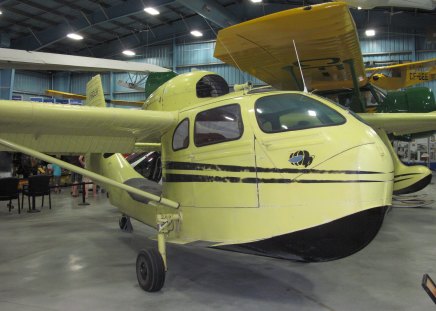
(38, 186)
(9, 191)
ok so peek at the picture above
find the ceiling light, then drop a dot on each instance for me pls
(1, 12)
(370, 32)
(256, 1)
(151, 11)
(196, 33)
(129, 53)
(74, 36)
(359, 7)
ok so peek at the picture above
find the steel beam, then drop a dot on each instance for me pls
(212, 11)
(50, 36)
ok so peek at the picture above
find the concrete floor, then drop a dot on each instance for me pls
(76, 258)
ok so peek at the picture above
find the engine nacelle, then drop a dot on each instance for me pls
(185, 90)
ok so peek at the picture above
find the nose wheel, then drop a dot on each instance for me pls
(150, 270)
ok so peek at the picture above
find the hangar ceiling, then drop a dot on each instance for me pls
(110, 26)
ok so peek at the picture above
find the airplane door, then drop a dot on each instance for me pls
(177, 155)
(223, 163)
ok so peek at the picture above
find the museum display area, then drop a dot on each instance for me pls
(232, 155)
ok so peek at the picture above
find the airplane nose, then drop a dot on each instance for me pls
(339, 208)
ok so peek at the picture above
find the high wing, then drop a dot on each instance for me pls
(117, 102)
(325, 37)
(401, 123)
(30, 60)
(403, 75)
(54, 128)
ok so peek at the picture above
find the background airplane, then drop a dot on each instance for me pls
(399, 76)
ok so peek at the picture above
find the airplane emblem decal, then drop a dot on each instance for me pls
(301, 157)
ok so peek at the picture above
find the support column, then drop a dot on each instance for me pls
(7, 77)
(111, 87)
(174, 55)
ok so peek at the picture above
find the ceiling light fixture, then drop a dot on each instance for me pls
(370, 32)
(74, 36)
(256, 1)
(359, 7)
(151, 11)
(129, 53)
(196, 33)
(1, 12)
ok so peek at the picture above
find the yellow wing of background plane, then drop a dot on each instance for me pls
(54, 128)
(403, 75)
(401, 123)
(117, 102)
(326, 40)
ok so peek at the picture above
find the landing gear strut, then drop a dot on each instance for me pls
(151, 264)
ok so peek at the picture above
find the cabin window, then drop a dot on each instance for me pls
(181, 136)
(211, 86)
(290, 112)
(218, 125)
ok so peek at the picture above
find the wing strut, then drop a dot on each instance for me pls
(91, 175)
(357, 103)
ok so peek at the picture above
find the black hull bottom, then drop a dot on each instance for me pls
(334, 240)
(416, 186)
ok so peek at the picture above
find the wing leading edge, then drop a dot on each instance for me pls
(80, 129)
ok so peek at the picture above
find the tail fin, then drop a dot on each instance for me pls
(94, 93)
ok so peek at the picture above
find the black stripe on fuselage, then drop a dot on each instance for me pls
(249, 180)
(402, 179)
(402, 175)
(184, 166)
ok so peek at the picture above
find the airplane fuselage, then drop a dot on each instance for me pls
(282, 174)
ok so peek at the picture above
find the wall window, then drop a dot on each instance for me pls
(181, 135)
(218, 125)
(290, 112)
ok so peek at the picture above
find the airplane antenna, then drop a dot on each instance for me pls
(299, 65)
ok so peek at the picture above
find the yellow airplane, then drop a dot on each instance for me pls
(285, 174)
(403, 75)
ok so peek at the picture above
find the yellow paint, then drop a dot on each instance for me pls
(325, 37)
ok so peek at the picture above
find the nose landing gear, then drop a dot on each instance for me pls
(151, 264)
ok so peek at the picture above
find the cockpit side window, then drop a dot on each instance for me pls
(218, 125)
(290, 112)
(181, 136)
(211, 86)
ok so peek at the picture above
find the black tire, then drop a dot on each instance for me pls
(150, 270)
(122, 222)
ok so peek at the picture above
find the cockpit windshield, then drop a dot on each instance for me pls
(290, 112)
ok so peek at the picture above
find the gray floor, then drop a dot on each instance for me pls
(76, 258)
